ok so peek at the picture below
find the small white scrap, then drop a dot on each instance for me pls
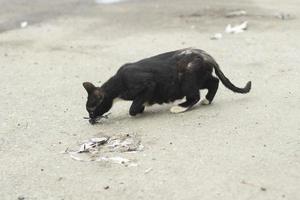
(113, 143)
(216, 36)
(24, 24)
(86, 147)
(101, 140)
(108, 1)
(140, 147)
(236, 13)
(148, 170)
(94, 149)
(236, 29)
(92, 144)
(125, 144)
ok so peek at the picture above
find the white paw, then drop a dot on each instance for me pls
(178, 109)
(204, 102)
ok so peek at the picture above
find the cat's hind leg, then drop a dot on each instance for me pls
(190, 101)
(192, 97)
(212, 85)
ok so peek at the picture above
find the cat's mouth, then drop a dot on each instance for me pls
(97, 119)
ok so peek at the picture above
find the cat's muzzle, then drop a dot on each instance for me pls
(92, 121)
(93, 118)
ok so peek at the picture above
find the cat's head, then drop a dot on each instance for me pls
(94, 101)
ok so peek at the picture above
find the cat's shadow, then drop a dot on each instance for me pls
(149, 113)
(160, 112)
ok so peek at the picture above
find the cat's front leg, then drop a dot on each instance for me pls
(136, 108)
(192, 94)
(137, 105)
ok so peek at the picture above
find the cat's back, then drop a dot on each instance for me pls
(165, 62)
(159, 63)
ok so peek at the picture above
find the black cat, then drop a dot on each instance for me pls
(160, 79)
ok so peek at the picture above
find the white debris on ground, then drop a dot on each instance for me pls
(237, 28)
(124, 144)
(108, 149)
(232, 29)
(236, 13)
(216, 36)
(147, 171)
(108, 1)
(24, 24)
(92, 144)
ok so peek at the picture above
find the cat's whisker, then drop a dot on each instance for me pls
(98, 118)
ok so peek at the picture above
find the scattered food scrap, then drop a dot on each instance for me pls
(216, 36)
(24, 24)
(92, 144)
(237, 28)
(231, 29)
(147, 171)
(124, 144)
(107, 149)
(108, 1)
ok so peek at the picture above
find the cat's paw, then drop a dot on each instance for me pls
(178, 109)
(204, 102)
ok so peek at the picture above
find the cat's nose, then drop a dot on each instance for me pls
(92, 115)
(92, 121)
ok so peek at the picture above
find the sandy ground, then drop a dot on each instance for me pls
(241, 147)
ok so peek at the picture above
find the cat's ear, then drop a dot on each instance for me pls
(89, 87)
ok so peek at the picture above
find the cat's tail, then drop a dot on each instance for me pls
(230, 85)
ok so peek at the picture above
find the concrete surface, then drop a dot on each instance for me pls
(242, 147)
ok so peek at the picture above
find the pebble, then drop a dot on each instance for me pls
(106, 187)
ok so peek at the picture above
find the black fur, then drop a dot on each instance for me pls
(160, 79)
